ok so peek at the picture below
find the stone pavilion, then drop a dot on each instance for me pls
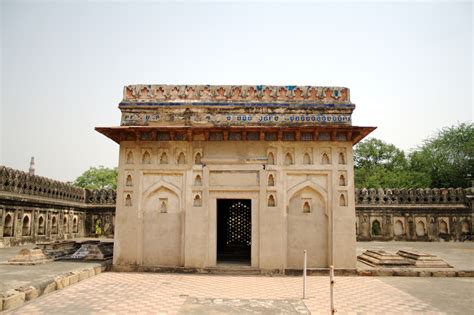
(222, 175)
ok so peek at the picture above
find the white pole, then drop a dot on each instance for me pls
(331, 290)
(304, 274)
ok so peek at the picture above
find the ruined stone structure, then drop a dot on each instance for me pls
(36, 209)
(414, 214)
(218, 174)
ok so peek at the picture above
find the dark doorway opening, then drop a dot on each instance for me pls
(234, 231)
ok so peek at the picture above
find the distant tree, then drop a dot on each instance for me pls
(98, 178)
(380, 164)
(448, 157)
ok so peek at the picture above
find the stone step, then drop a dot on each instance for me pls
(233, 269)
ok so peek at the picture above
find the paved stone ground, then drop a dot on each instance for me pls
(14, 276)
(124, 293)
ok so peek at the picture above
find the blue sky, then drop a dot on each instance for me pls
(64, 64)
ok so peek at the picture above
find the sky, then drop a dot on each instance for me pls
(64, 65)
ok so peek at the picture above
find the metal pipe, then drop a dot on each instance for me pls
(331, 288)
(304, 274)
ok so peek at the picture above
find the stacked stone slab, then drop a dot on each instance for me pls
(93, 250)
(381, 258)
(422, 260)
(27, 256)
(402, 259)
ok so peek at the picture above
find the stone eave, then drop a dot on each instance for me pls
(353, 134)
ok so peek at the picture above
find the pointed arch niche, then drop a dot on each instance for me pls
(128, 200)
(26, 226)
(306, 206)
(129, 157)
(271, 180)
(342, 158)
(197, 201)
(307, 159)
(271, 201)
(181, 158)
(146, 157)
(342, 200)
(307, 225)
(197, 158)
(8, 225)
(288, 159)
(128, 181)
(162, 214)
(197, 180)
(325, 158)
(271, 158)
(164, 158)
(342, 180)
(41, 229)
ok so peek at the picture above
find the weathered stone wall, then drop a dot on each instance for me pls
(414, 214)
(36, 209)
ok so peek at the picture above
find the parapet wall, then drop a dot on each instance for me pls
(439, 196)
(414, 214)
(35, 209)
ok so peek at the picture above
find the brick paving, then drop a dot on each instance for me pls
(149, 293)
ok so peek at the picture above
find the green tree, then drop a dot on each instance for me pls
(98, 178)
(448, 157)
(380, 164)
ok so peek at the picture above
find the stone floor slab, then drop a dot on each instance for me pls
(120, 293)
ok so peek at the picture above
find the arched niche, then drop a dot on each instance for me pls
(197, 158)
(128, 200)
(288, 159)
(164, 158)
(197, 180)
(146, 158)
(443, 227)
(65, 225)
(271, 180)
(306, 159)
(163, 205)
(75, 225)
(342, 180)
(54, 225)
(325, 159)
(342, 158)
(271, 159)
(8, 226)
(129, 182)
(181, 158)
(376, 228)
(129, 157)
(398, 228)
(342, 200)
(307, 230)
(162, 225)
(420, 228)
(41, 229)
(25, 231)
(306, 207)
(271, 201)
(197, 201)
